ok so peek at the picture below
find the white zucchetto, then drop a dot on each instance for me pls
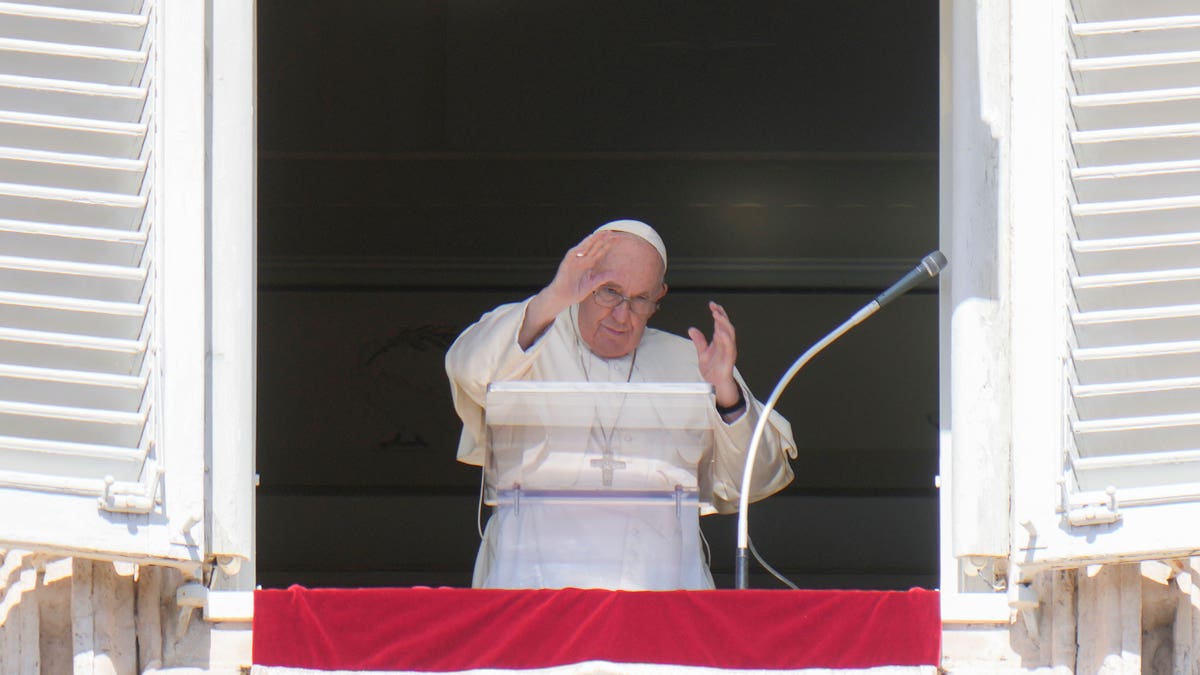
(639, 229)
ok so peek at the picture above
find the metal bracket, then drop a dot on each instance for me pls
(130, 500)
(1095, 512)
(215, 606)
(1023, 599)
(189, 597)
(229, 564)
(983, 573)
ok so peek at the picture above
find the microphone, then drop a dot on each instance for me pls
(929, 267)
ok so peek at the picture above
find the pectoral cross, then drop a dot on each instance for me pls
(607, 465)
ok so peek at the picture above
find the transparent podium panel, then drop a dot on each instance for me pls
(599, 440)
(560, 540)
(597, 485)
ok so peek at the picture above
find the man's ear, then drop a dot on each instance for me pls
(662, 293)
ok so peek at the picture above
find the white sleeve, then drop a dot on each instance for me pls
(772, 470)
(486, 352)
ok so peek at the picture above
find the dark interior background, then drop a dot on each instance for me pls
(422, 161)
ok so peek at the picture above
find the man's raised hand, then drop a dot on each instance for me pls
(578, 275)
(718, 357)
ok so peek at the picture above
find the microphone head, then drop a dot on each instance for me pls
(934, 263)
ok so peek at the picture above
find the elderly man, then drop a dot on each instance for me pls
(589, 325)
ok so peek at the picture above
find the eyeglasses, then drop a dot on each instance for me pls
(609, 297)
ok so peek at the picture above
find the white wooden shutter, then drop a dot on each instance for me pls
(86, 157)
(1131, 473)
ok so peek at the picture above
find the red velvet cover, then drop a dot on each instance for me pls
(449, 629)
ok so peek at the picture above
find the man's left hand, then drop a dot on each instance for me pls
(718, 356)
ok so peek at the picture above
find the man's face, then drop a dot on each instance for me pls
(638, 270)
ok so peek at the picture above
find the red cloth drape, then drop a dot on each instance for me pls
(451, 629)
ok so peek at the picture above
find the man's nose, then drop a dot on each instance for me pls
(621, 312)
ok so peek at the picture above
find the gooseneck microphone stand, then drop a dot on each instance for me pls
(929, 267)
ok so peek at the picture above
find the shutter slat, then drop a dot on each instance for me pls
(1137, 132)
(70, 350)
(1161, 107)
(79, 280)
(1137, 182)
(104, 65)
(59, 484)
(1136, 72)
(74, 460)
(1134, 425)
(1116, 279)
(64, 242)
(58, 314)
(1137, 476)
(1125, 398)
(1144, 144)
(88, 173)
(73, 425)
(1116, 327)
(59, 133)
(1138, 207)
(98, 11)
(83, 12)
(1113, 400)
(1137, 254)
(108, 453)
(1161, 493)
(85, 198)
(1137, 36)
(1137, 362)
(71, 207)
(1137, 289)
(1092, 11)
(1101, 245)
(72, 98)
(1137, 436)
(79, 389)
(1163, 217)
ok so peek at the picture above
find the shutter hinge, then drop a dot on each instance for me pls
(1096, 511)
(139, 499)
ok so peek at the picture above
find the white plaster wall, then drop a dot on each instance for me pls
(63, 615)
(1108, 620)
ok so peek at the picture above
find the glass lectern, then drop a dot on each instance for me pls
(598, 485)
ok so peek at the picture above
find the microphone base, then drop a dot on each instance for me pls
(741, 570)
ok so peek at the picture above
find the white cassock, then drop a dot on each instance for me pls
(622, 550)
